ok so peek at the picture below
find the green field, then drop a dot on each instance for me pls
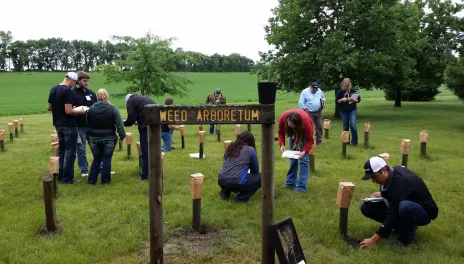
(110, 224)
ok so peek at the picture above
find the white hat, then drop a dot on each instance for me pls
(72, 76)
(372, 166)
(128, 96)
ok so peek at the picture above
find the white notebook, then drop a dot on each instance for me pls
(290, 154)
(196, 155)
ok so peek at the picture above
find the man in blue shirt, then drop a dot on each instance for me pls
(312, 101)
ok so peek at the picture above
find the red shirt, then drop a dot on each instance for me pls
(307, 124)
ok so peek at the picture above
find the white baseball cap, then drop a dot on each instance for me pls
(372, 166)
(72, 76)
(128, 96)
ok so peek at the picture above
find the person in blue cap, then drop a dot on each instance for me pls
(312, 101)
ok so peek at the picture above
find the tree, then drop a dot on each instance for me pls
(145, 67)
(454, 78)
(5, 40)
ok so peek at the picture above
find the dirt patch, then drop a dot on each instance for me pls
(43, 231)
(351, 241)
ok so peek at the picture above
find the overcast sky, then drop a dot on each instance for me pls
(207, 26)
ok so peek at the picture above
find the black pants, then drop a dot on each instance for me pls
(245, 191)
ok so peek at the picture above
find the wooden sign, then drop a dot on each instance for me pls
(344, 195)
(129, 138)
(424, 134)
(286, 243)
(327, 123)
(367, 127)
(206, 114)
(196, 185)
(346, 136)
(385, 156)
(53, 165)
(405, 146)
(227, 143)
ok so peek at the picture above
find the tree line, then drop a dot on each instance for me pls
(56, 54)
(400, 46)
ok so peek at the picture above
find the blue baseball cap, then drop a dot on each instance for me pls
(315, 86)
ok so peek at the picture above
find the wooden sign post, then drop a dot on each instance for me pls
(156, 115)
(2, 140)
(326, 128)
(405, 146)
(367, 128)
(226, 144)
(162, 167)
(182, 134)
(120, 145)
(200, 128)
(16, 127)
(385, 157)
(345, 140)
(237, 131)
(424, 134)
(54, 169)
(196, 188)
(344, 195)
(129, 143)
(218, 129)
(201, 137)
(21, 124)
(49, 201)
(312, 158)
(55, 148)
(10, 129)
(139, 151)
(249, 127)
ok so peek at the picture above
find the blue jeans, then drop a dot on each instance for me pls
(167, 140)
(349, 119)
(102, 153)
(144, 148)
(67, 138)
(81, 155)
(211, 129)
(410, 215)
(293, 171)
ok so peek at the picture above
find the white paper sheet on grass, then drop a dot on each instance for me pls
(196, 155)
(290, 154)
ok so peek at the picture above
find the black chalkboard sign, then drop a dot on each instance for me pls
(286, 243)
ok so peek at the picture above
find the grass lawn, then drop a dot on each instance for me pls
(110, 223)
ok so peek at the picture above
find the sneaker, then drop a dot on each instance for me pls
(85, 175)
(173, 148)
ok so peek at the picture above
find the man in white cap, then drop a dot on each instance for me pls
(407, 202)
(60, 103)
(135, 113)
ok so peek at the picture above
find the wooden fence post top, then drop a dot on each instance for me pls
(346, 136)
(21, 121)
(139, 150)
(16, 123)
(327, 123)
(10, 127)
(53, 165)
(405, 146)
(129, 138)
(201, 135)
(312, 151)
(344, 195)
(2, 134)
(218, 127)
(54, 143)
(47, 177)
(424, 134)
(182, 130)
(367, 127)
(384, 156)
(237, 129)
(196, 185)
(227, 143)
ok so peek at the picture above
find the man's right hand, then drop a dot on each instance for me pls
(376, 195)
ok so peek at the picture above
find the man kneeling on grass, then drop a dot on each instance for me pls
(239, 158)
(407, 202)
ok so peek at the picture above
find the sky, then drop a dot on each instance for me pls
(206, 26)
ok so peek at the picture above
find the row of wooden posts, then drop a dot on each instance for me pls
(12, 128)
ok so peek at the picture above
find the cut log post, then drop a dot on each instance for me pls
(2, 140)
(367, 129)
(139, 151)
(55, 147)
(11, 130)
(16, 127)
(129, 143)
(196, 188)
(200, 128)
(345, 140)
(405, 146)
(237, 131)
(201, 136)
(326, 128)
(182, 135)
(385, 157)
(49, 201)
(424, 134)
(54, 169)
(120, 145)
(249, 127)
(21, 124)
(312, 158)
(226, 144)
(162, 169)
(218, 129)
(54, 137)
(344, 195)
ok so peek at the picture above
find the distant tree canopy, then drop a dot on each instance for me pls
(56, 54)
(454, 78)
(400, 46)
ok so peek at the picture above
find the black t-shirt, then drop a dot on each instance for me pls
(84, 97)
(59, 96)
(346, 106)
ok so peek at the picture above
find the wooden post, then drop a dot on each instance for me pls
(237, 131)
(218, 128)
(49, 201)
(55, 147)
(249, 127)
(367, 128)
(155, 194)
(326, 128)
(21, 124)
(129, 143)
(344, 195)
(162, 169)
(424, 134)
(201, 135)
(10, 129)
(54, 169)
(139, 151)
(267, 192)
(120, 145)
(226, 144)
(182, 134)
(16, 127)
(2, 140)
(385, 157)
(312, 158)
(405, 146)
(345, 140)
(196, 188)
(200, 128)
(54, 137)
